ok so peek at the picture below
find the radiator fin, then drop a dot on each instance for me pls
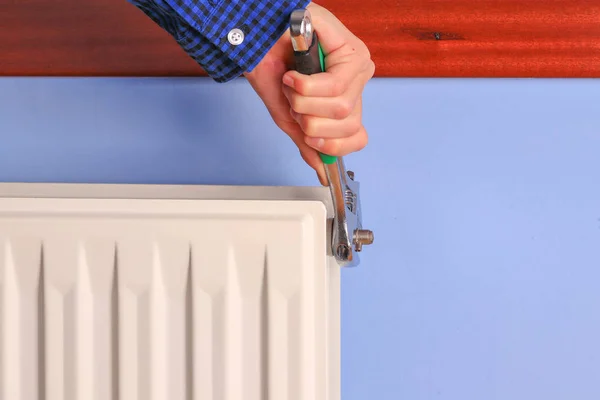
(150, 309)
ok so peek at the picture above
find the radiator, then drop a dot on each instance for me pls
(167, 292)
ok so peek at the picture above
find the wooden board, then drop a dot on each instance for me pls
(410, 38)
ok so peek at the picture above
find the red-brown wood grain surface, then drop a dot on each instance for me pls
(407, 38)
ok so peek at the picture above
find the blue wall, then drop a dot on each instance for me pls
(484, 196)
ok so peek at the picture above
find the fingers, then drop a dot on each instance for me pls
(266, 82)
(347, 59)
(339, 147)
(320, 112)
(328, 106)
(339, 76)
(331, 136)
(324, 107)
(326, 128)
(340, 107)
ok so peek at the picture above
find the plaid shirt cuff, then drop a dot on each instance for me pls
(202, 27)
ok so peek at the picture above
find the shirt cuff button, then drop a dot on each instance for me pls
(235, 37)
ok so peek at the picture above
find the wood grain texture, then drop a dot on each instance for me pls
(410, 38)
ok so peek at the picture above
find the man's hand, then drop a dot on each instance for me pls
(321, 112)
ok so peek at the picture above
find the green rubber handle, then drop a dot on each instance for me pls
(321, 58)
(311, 62)
(327, 159)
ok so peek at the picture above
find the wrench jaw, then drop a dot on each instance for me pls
(348, 235)
(340, 237)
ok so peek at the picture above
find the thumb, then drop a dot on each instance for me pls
(332, 33)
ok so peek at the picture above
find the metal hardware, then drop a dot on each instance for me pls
(301, 29)
(362, 237)
(348, 235)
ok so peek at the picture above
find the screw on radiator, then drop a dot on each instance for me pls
(363, 237)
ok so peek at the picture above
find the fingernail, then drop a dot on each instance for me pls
(316, 143)
(288, 80)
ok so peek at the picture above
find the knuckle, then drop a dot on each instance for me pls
(303, 86)
(333, 147)
(371, 68)
(363, 49)
(300, 120)
(310, 126)
(366, 56)
(367, 52)
(362, 141)
(338, 88)
(299, 84)
(355, 126)
(343, 109)
(296, 103)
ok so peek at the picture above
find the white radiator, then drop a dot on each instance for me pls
(167, 293)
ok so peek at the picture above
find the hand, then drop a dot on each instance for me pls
(321, 112)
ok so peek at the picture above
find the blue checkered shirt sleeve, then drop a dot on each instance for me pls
(201, 28)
